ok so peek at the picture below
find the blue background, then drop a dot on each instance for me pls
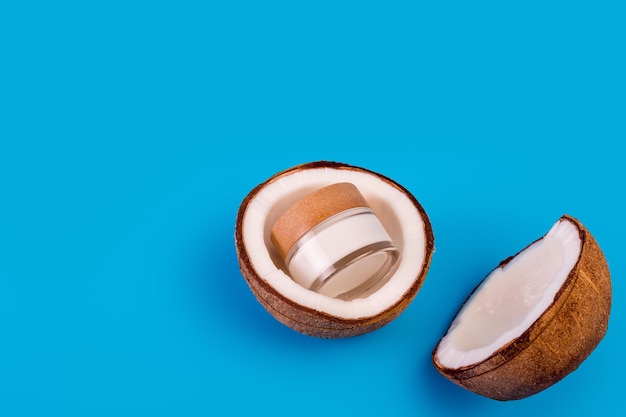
(131, 131)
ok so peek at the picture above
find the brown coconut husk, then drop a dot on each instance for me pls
(313, 322)
(557, 343)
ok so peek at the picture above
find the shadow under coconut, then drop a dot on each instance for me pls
(220, 291)
(446, 397)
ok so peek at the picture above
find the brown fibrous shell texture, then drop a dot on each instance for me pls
(556, 343)
(310, 321)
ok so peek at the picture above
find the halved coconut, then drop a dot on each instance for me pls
(532, 320)
(307, 311)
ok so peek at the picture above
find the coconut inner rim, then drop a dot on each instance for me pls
(511, 298)
(394, 209)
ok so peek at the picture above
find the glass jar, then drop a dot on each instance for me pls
(332, 242)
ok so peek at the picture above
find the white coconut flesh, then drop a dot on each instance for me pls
(511, 298)
(395, 210)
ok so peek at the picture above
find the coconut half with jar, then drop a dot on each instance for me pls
(332, 311)
(533, 320)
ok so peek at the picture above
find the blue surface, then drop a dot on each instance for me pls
(130, 132)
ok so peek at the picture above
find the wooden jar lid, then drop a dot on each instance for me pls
(311, 211)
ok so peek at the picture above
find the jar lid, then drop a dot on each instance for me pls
(311, 211)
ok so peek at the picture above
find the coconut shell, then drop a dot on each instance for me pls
(556, 343)
(310, 321)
